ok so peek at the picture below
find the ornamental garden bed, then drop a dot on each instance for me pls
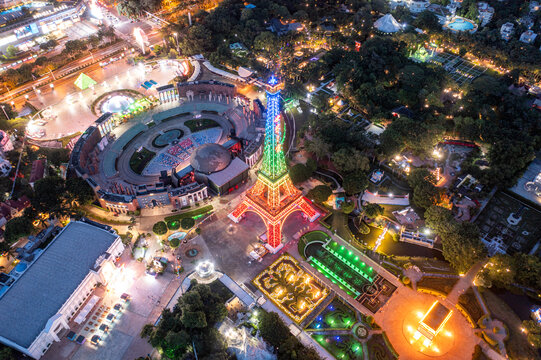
(440, 285)
(196, 213)
(336, 315)
(468, 302)
(291, 289)
(140, 159)
(341, 346)
(200, 124)
(379, 348)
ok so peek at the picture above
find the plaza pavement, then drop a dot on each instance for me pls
(71, 107)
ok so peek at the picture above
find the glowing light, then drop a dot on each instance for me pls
(273, 197)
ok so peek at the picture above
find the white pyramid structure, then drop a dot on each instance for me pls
(387, 24)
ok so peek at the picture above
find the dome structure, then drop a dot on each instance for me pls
(210, 158)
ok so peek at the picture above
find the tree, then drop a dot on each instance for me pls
(146, 331)
(534, 333)
(373, 210)
(48, 44)
(347, 207)
(10, 112)
(463, 248)
(11, 51)
(427, 20)
(73, 47)
(425, 193)
(178, 340)
(319, 147)
(194, 319)
(17, 228)
(440, 220)
(272, 328)
(187, 223)
(198, 39)
(48, 194)
(355, 183)
(7, 353)
(159, 228)
(299, 173)
(266, 41)
(320, 193)
(78, 191)
(349, 160)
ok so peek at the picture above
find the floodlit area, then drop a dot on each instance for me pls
(294, 291)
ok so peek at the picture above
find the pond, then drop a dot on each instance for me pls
(167, 137)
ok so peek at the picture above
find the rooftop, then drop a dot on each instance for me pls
(50, 280)
(436, 316)
(210, 158)
(221, 178)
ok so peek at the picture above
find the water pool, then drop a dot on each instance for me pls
(167, 137)
(460, 24)
(178, 235)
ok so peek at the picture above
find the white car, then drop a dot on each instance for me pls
(39, 122)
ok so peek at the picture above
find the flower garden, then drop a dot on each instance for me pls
(347, 336)
(345, 347)
(336, 315)
(294, 291)
(345, 268)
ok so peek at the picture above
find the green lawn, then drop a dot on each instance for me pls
(140, 159)
(200, 124)
(336, 315)
(194, 213)
(380, 349)
(344, 347)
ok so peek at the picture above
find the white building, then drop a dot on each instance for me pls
(506, 31)
(414, 6)
(5, 167)
(486, 12)
(528, 37)
(36, 307)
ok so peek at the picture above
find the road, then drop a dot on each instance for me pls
(60, 80)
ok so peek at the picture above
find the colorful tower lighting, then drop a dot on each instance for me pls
(273, 196)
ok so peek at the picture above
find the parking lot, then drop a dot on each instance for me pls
(123, 333)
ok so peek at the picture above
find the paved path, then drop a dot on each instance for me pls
(463, 284)
(386, 200)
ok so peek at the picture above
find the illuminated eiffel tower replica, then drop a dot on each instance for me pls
(273, 197)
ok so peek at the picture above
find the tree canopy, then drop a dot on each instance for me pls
(462, 245)
(193, 319)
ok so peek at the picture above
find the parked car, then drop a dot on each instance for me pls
(95, 339)
(71, 336)
(125, 297)
(117, 307)
(80, 340)
(111, 317)
(104, 328)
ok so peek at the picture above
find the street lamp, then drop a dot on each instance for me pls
(176, 41)
(5, 113)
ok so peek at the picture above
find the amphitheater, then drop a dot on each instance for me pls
(142, 162)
